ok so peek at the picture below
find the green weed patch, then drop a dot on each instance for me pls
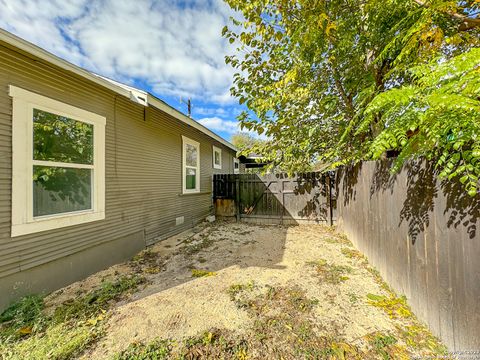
(27, 332)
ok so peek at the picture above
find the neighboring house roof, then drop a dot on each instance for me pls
(252, 161)
(136, 95)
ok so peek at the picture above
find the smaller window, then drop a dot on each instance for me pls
(217, 158)
(236, 166)
(191, 166)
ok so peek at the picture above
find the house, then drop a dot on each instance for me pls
(252, 161)
(91, 171)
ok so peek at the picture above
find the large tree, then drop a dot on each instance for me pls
(338, 81)
(245, 142)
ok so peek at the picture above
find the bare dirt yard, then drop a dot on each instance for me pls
(225, 291)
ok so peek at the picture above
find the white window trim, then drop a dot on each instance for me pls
(186, 141)
(216, 149)
(236, 161)
(23, 221)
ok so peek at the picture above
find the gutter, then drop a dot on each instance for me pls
(135, 95)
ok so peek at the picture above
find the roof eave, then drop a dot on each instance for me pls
(161, 105)
(42, 54)
(55, 60)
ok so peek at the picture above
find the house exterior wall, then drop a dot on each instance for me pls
(143, 182)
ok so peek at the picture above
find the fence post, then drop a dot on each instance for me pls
(237, 196)
(330, 202)
(282, 203)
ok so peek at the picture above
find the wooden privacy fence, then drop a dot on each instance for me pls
(275, 198)
(423, 236)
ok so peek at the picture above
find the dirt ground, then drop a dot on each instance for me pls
(215, 277)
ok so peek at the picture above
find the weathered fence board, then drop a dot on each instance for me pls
(277, 198)
(423, 237)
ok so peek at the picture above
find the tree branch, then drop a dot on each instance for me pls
(467, 23)
(347, 100)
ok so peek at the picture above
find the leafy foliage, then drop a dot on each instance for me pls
(337, 82)
(245, 142)
(61, 139)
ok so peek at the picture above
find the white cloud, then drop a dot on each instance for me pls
(209, 111)
(228, 126)
(174, 46)
(217, 124)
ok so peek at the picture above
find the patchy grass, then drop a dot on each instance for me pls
(282, 328)
(145, 260)
(282, 324)
(212, 344)
(195, 245)
(58, 341)
(20, 318)
(331, 273)
(339, 239)
(156, 350)
(414, 334)
(236, 289)
(353, 254)
(239, 293)
(28, 331)
(152, 270)
(395, 307)
(202, 273)
(419, 337)
(385, 346)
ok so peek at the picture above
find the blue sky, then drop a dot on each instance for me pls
(170, 48)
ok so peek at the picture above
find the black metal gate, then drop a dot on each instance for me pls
(278, 198)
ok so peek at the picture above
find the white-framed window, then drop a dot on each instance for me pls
(236, 166)
(217, 158)
(58, 164)
(191, 166)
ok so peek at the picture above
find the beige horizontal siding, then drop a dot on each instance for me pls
(143, 167)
